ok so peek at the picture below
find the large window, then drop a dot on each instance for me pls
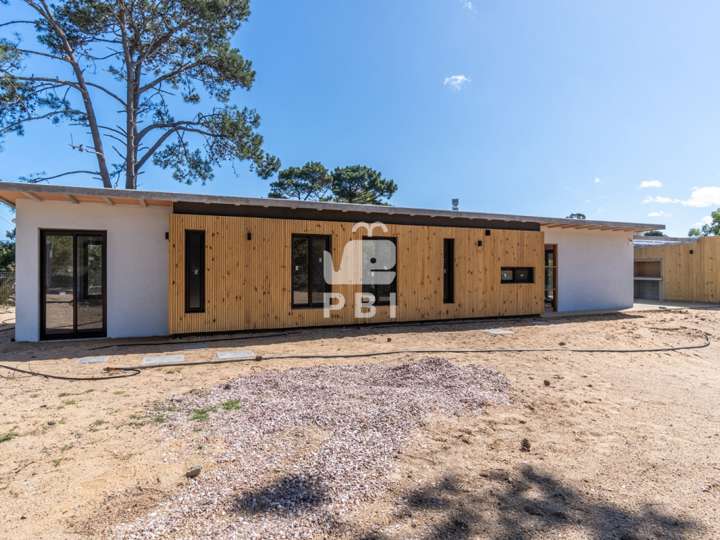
(448, 270)
(380, 266)
(308, 282)
(194, 271)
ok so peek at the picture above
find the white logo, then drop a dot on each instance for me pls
(370, 261)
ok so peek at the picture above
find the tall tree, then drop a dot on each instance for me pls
(154, 54)
(353, 184)
(312, 181)
(709, 229)
(361, 184)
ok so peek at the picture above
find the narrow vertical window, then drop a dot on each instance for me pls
(449, 270)
(194, 271)
(308, 282)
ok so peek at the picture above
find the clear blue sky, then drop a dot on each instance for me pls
(524, 107)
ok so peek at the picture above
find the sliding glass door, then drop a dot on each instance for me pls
(73, 284)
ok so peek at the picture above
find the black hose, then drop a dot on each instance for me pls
(125, 372)
(130, 371)
(705, 343)
(188, 342)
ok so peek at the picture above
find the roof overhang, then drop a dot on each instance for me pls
(11, 192)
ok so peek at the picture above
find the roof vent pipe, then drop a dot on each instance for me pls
(455, 204)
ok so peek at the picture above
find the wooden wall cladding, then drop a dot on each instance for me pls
(687, 277)
(247, 281)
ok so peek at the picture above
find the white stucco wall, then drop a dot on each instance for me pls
(595, 269)
(137, 263)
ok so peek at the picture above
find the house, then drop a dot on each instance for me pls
(677, 269)
(119, 263)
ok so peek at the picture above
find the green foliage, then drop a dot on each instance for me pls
(200, 415)
(577, 215)
(312, 181)
(653, 233)
(353, 184)
(153, 52)
(709, 229)
(9, 436)
(361, 184)
(231, 404)
(7, 252)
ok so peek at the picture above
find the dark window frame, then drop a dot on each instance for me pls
(75, 334)
(366, 288)
(328, 286)
(200, 309)
(554, 249)
(448, 271)
(514, 270)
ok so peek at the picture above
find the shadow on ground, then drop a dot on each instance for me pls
(291, 494)
(529, 504)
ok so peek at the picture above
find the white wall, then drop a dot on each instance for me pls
(137, 263)
(595, 269)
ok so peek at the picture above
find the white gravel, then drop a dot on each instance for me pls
(306, 444)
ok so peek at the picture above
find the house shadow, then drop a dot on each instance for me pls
(529, 504)
(64, 349)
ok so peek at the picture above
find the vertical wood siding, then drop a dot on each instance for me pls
(687, 277)
(248, 281)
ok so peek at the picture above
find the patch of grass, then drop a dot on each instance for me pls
(66, 448)
(9, 436)
(231, 404)
(159, 418)
(56, 462)
(70, 402)
(200, 415)
(119, 393)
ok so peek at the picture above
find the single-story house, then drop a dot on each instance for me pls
(121, 263)
(677, 269)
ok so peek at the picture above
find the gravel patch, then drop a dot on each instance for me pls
(304, 445)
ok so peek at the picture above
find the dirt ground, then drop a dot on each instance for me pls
(590, 446)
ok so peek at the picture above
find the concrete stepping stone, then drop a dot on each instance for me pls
(236, 355)
(499, 331)
(159, 359)
(93, 359)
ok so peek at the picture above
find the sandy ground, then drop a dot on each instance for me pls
(618, 445)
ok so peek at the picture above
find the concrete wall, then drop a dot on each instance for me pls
(595, 269)
(137, 260)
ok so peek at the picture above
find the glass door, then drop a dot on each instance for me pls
(551, 283)
(73, 295)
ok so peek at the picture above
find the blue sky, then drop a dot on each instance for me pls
(544, 108)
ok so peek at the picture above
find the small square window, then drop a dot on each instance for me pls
(522, 275)
(517, 275)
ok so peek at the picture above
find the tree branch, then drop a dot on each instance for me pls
(11, 127)
(8, 23)
(39, 53)
(71, 84)
(44, 10)
(169, 75)
(38, 179)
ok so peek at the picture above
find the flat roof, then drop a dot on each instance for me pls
(646, 241)
(11, 192)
